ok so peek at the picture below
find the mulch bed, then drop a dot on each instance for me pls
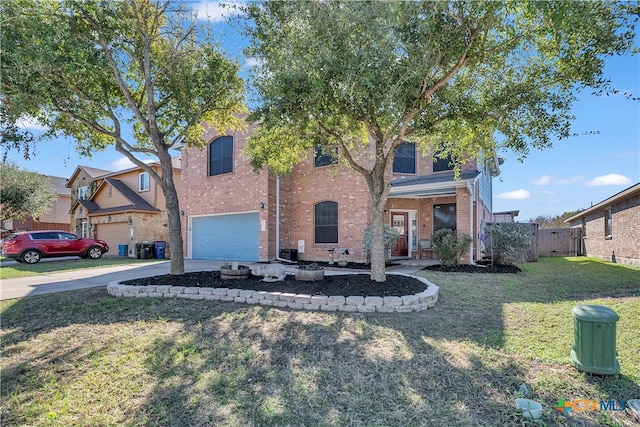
(347, 284)
(468, 268)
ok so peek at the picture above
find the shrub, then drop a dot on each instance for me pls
(507, 242)
(449, 247)
(391, 236)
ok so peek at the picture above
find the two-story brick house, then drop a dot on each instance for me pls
(122, 208)
(236, 214)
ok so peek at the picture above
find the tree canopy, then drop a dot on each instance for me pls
(456, 78)
(553, 221)
(138, 74)
(23, 194)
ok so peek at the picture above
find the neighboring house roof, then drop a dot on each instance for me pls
(628, 192)
(60, 185)
(92, 172)
(512, 213)
(137, 202)
(176, 163)
(432, 185)
(88, 205)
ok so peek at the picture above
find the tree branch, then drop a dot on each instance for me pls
(345, 151)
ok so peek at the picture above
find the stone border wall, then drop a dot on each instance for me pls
(399, 304)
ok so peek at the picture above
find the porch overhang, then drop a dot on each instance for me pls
(432, 185)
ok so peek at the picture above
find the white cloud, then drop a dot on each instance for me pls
(550, 180)
(250, 62)
(31, 123)
(543, 180)
(514, 195)
(611, 179)
(216, 11)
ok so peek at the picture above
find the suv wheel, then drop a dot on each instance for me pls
(31, 256)
(94, 252)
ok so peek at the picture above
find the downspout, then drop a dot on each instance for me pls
(277, 257)
(470, 189)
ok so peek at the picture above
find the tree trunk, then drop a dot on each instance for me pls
(167, 184)
(379, 181)
(378, 255)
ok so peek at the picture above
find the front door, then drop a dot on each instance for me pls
(400, 221)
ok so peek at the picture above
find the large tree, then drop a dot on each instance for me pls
(23, 194)
(138, 74)
(457, 78)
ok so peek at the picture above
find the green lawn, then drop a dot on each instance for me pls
(86, 358)
(13, 270)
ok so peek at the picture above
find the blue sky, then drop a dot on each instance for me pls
(574, 174)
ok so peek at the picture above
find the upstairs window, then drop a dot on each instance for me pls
(405, 160)
(325, 156)
(83, 192)
(143, 181)
(326, 222)
(608, 222)
(442, 164)
(221, 156)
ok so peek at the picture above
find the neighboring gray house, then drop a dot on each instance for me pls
(611, 228)
(507, 216)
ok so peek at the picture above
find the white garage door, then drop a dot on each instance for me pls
(114, 234)
(225, 237)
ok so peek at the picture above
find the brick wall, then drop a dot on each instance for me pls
(242, 190)
(309, 185)
(624, 241)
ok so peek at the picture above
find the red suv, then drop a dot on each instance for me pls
(31, 246)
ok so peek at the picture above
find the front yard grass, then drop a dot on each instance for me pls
(14, 270)
(85, 358)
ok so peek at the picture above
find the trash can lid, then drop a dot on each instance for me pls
(594, 313)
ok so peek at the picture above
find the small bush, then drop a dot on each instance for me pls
(449, 247)
(391, 236)
(507, 242)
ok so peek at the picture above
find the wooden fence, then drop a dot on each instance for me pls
(552, 242)
(559, 242)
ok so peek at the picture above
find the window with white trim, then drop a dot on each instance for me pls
(143, 181)
(83, 192)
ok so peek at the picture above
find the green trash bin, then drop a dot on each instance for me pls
(594, 334)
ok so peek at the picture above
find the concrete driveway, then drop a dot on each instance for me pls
(92, 277)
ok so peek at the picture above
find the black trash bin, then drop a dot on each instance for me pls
(144, 250)
(159, 249)
(290, 254)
